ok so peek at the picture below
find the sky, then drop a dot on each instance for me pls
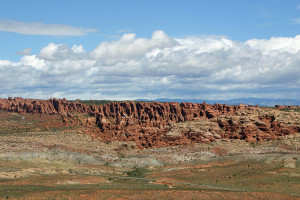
(125, 50)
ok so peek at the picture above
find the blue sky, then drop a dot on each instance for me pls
(150, 49)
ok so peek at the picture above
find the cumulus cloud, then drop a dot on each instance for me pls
(129, 47)
(36, 28)
(53, 52)
(276, 44)
(161, 66)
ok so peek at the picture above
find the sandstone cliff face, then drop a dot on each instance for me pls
(51, 106)
(148, 123)
(162, 124)
(257, 128)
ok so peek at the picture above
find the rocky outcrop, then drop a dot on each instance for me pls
(149, 124)
(162, 124)
(256, 128)
(51, 106)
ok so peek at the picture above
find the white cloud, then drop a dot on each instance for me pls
(297, 20)
(124, 31)
(132, 67)
(279, 44)
(36, 28)
(4, 63)
(54, 52)
(129, 47)
(25, 52)
(33, 61)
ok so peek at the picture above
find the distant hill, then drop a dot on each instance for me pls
(247, 101)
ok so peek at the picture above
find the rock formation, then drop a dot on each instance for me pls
(151, 124)
(148, 123)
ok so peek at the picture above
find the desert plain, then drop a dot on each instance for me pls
(59, 149)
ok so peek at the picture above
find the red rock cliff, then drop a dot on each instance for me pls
(156, 124)
(148, 123)
(51, 106)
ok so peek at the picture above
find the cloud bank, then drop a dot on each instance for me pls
(36, 28)
(160, 66)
